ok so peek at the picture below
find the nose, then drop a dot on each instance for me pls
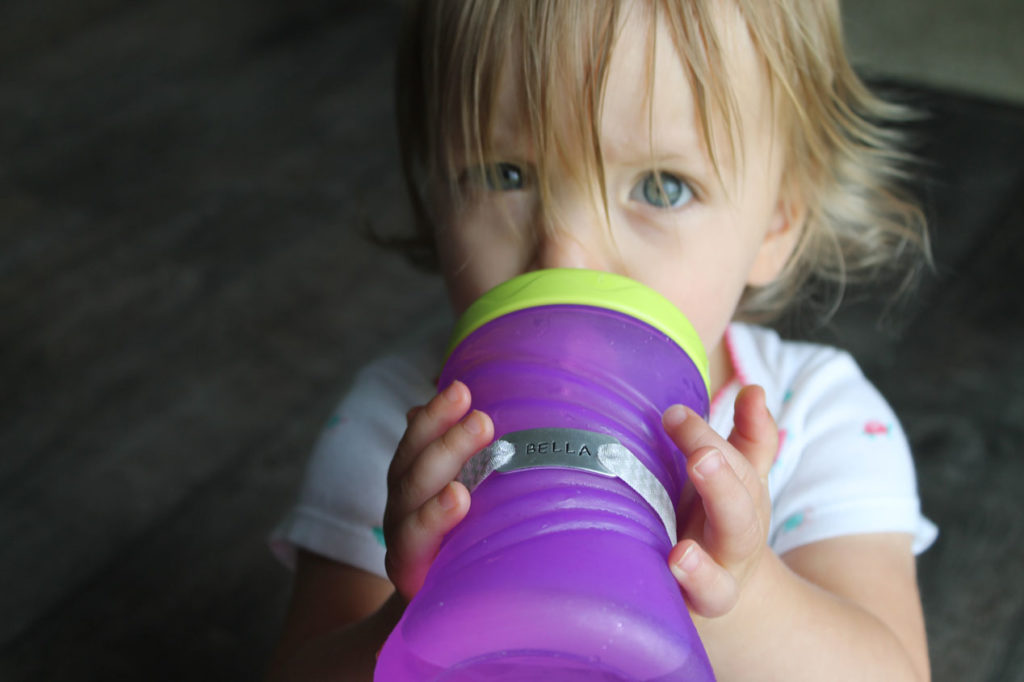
(562, 249)
(573, 234)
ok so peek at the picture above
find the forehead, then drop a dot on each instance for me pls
(648, 95)
(652, 99)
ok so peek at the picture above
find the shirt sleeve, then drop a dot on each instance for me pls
(341, 502)
(846, 468)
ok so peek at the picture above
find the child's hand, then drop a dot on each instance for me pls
(424, 500)
(723, 537)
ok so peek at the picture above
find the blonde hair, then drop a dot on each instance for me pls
(844, 158)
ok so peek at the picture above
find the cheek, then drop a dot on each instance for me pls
(475, 255)
(709, 310)
(706, 288)
(462, 270)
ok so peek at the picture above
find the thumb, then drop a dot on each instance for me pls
(754, 432)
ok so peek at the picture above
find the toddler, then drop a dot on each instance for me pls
(723, 153)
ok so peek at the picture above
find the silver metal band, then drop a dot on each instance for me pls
(571, 449)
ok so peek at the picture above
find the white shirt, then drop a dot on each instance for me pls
(844, 465)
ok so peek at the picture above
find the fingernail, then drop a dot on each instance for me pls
(689, 561)
(675, 415)
(451, 393)
(447, 499)
(709, 463)
(474, 423)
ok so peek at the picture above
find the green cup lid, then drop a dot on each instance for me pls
(570, 286)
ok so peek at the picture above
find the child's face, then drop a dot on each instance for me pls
(697, 242)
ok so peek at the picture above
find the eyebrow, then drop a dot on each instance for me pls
(675, 147)
(506, 135)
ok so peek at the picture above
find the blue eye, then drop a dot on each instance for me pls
(662, 190)
(504, 177)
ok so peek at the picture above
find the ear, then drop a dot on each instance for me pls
(787, 224)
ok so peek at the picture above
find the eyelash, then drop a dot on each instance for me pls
(662, 190)
(497, 177)
(658, 189)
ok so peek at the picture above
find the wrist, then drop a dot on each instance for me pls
(391, 611)
(762, 600)
(780, 616)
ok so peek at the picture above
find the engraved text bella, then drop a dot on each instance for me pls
(558, 447)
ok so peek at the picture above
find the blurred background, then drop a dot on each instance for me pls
(185, 291)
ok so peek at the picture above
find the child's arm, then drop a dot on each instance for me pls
(340, 616)
(846, 608)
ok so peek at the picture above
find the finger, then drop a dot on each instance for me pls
(416, 540)
(690, 433)
(439, 463)
(733, 528)
(710, 590)
(428, 423)
(687, 522)
(754, 432)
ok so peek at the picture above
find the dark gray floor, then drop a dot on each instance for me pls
(184, 292)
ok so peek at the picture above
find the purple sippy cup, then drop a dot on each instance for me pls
(559, 571)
